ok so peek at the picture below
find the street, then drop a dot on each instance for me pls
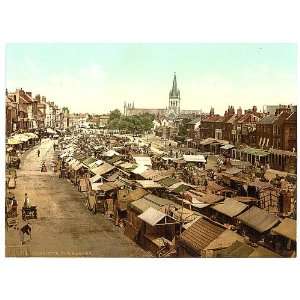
(64, 227)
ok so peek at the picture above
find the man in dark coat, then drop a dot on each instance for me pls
(26, 229)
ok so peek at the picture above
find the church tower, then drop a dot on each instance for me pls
(174, 98)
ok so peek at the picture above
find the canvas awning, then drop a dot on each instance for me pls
(105, 187)
(207, 141)
(127, 165)
(103, 169)
(22, 137)
(211, 198)
(230, 207)
(148, 184)
(95, 164)
(152, 216)
(31, 135)
(240, 249)
(110, 153)
(194, 158)
(13, 141)
(180, 187)
(143, 204)
(224, 240)
(96, 186)
(89, 161)
(195, 203)
(143, 160)
(140, 169)
(283, 152)
(255, 152)
(286, 228)
(258, 219)
(118, 163)
(227, 147)
(51, 131)
(136, 194)
(95, 178)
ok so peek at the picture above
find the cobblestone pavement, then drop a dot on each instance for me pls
(65, 227)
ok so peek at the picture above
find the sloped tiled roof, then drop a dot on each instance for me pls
(268, 120)
(200, 234)
(214, 118)
(194, 121)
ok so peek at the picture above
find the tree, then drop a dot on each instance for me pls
(115, 114)
(114, 124)
(66, 110)
(183, 127)
(133, 124)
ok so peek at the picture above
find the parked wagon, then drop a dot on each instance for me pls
(11, 182)
(29, 213)
(14, 162)
(96, 202)
(43, 168)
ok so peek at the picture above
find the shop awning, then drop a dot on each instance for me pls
(230, 207)
(51, 131)
(227, 147)
(95, 178)
(13, 141)
(110, 153)
(258, 219)
(143, 160)
(31, 135)
(286, 228)
(103, 169)
(148, 184)
(207, 141)
(255, 152)
(140, 169)
(194, 158)
(22, 137)
(152, 216)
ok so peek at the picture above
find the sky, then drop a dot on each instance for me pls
(97, 78)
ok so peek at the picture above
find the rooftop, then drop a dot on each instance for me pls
(230, 207)
(258, 219)
(199, 235)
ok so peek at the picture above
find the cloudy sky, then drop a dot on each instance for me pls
(97, 78)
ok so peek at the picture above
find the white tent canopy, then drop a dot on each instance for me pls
(152, 216)
(50, 130)
(143, 160)
(194, 158)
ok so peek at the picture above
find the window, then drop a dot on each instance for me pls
(218, 134)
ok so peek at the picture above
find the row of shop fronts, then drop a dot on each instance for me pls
(281, 160)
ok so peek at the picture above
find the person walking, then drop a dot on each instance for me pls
(26, 201)
(14, 205)
(38, 152)
(26, 229)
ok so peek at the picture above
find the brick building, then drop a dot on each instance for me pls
(278, 131)
(25, 113)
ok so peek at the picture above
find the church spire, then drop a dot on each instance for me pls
(174, 93)
(174, 88)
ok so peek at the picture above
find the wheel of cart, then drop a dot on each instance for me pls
(29, 213)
